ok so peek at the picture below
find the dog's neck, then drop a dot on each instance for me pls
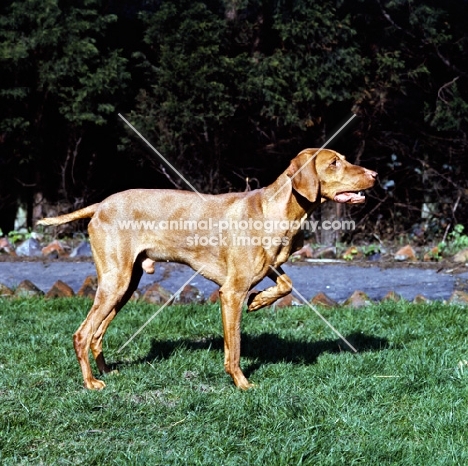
(305, 204)
(280, 200)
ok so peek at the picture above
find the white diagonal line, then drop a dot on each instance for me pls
(315, 155)
(160, 155)
(320, 315)
(160, 309)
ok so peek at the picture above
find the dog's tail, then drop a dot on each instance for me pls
(87, 212)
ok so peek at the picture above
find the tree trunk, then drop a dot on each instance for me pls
(329, 213)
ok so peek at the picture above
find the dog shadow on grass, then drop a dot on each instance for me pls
(268, 348)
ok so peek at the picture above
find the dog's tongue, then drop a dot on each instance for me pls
(350, 198)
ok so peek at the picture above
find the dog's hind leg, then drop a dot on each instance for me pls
(117, 278)
(96, 341)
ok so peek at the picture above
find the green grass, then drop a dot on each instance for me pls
(402, 399)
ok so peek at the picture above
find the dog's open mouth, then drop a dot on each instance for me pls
(350, 198)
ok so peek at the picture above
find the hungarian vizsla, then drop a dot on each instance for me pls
(233, 239)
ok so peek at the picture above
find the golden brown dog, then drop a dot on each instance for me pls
(234, 239)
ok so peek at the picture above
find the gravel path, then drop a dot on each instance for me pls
(337, 280)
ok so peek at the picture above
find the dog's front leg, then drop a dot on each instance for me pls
(231, 309)
(270, 295)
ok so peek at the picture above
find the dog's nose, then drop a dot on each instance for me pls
(372, 173)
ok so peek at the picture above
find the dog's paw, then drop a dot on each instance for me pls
(245, 385)
(94, 384)
(253, 303)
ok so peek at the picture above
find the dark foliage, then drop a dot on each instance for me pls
(229, 91)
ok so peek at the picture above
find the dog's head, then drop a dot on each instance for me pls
(326, 173)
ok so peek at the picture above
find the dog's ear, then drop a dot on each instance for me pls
(304, 176)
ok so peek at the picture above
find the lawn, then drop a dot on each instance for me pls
(402, 399)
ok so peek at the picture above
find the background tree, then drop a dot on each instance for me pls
(188, 100)
(414, 116)
(60, 82)
(229, 91)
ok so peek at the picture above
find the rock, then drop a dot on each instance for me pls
(461, 256)
(89, 287)
(27, 289)
(190, 294)
(54, 250)
(136, 296)
(5, 291)
(459, 297)
(7, 247)
(29, 248)
(156, 294)
(326, 253)
(352, 253)
(287, 301)
(37, 236)
(392, 296)
(406, 253)
(420, 299)
(60, 290)
(82, 250)
(304, 253)
(214, 297)
(321, 299)
(358, 299)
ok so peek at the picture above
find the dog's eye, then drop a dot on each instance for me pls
(334, 164)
